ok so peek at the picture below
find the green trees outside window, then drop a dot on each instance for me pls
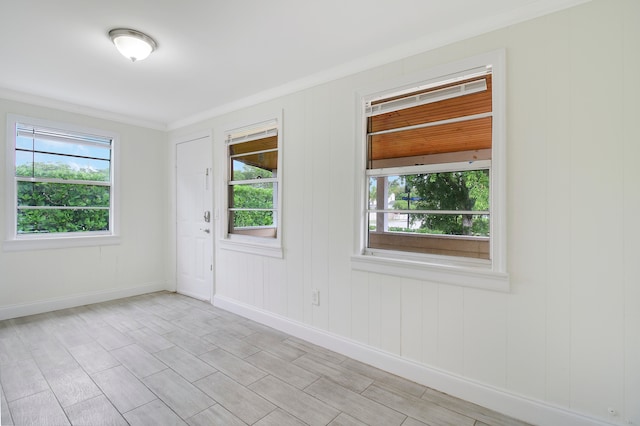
(62, 180)
(256, 197)
(442, 194)
(463, 191)
(52, 206)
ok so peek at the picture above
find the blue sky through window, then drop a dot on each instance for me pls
(77, 156)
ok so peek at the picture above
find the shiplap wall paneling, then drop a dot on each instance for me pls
(296, 201)
(597, 234)
(525, 363)
(308, 214)
(257, 281)
(341, 225)
(317, 138)
(430, 322)
(226, 280)
(558, 73)
(411, 319)
(451, 329)
(391, 314)
(360, 306)
(485, 337)
(276, 284)
(376, 305)
(631, 150)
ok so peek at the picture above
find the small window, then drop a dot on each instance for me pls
(434, 193)
(253, 181)
(61, 181)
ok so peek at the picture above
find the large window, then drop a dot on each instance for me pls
(434, 171)
(428, 164)
(254, 183)
(61, 181)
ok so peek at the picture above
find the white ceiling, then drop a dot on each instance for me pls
(215, 55)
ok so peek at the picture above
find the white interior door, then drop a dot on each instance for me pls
(194, 227)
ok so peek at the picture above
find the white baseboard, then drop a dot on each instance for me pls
(520, 407)
(71, 301)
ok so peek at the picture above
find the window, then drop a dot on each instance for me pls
(254, 184)
(61, 182)
(434, 172)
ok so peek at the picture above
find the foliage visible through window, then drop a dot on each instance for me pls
(63, 181)
(253, 181)
(466, 191)
(429, 168)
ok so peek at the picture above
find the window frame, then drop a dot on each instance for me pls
(264, 246)
(477, 273)
(16, 242)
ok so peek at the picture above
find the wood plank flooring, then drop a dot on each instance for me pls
(167, 359)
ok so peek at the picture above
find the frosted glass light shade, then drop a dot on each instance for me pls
(132, 44)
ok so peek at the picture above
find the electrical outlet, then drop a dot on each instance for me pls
(315, 297)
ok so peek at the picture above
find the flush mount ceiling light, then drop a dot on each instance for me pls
(132, 44)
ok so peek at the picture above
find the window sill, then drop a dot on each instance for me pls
(248, 245)
(466, 276)
(47, 243)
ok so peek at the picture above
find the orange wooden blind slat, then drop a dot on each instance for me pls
(263, 160)
(453, 137)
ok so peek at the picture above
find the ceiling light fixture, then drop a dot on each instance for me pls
(132, 44)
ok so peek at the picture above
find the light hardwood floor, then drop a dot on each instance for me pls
(167, 359)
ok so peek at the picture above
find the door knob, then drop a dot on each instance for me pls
(206, 230)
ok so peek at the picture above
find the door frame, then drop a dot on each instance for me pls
(171, 265)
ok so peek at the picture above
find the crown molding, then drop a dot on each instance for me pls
(398, 52)
(41, 101)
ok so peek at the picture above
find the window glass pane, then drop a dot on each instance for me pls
(24, 164)
(51, 220)
(68, 148)
(395, 190)
(70, 168)
(437, 224)
(253, 196)
(449, 191)
(60, 194)
(243, 170)
(440, 224)
(435, 234)
(23, 142)
(463, 190)
(252, 219)
(264, 162)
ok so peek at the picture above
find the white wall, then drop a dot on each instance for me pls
(41, 280)
(568, 332)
